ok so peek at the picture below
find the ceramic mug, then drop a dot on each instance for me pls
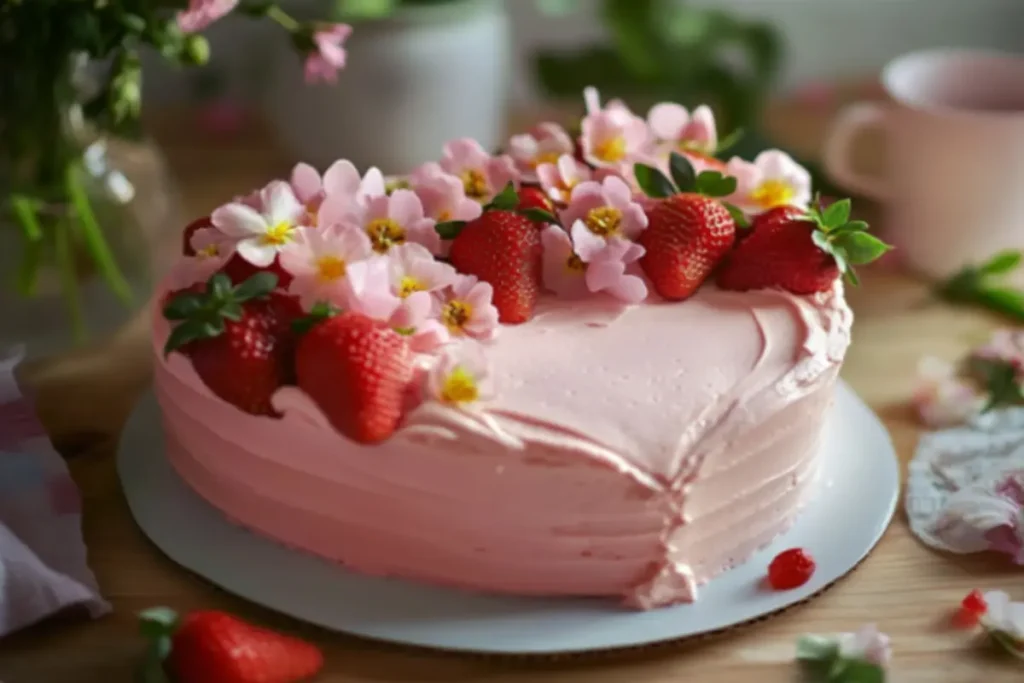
(953, 186)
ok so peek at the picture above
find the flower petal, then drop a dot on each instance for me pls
(341, 178)
(255, 252)
(587, 244)
(306, 182)
(238, 221)
(668, 120)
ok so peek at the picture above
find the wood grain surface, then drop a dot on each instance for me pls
(902, 586)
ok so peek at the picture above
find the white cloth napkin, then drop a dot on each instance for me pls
(43, 566)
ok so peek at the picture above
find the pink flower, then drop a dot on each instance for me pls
(260, 234)
(398, 218)
(342, 189)
(319, 259)
(773, 179)
(213, 249)
(564, 272)
(1005, 346)
(467, 309)
(461, 376)
(416, 317)
(606, 264)
(444, 198)
(867, 645)
(327, 56)
(673, 124)
(606, 209)
(482, 175)
(942, 399)
(545, 144)
(613, 135)
(414, 269)
(201, 13)
(560, 178)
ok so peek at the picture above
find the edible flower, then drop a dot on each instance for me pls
(260, 234)
(560, 178)
(773, 179)
(860, 657)
(414, 269)
(344, 191)
(483, 176)
(212, 251)
(611, 135)
(942, 398)
(606, 209)
(677, 129)
(444, 197)
(461, 377)
(545, 144)
(1003, 622)
(391, 220)
(587, 263)
(201, 13)
(327, 56)
(319, 259)
(467, 309)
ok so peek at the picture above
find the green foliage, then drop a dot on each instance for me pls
(668, 50)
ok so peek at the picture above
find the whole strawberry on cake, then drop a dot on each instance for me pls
(593, 366)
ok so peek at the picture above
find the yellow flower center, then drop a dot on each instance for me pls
(603, 221)
(385, 233)
(545, 158)
(330, 268)
(574, 264)
(410, 285)
(459, 387)
(772, 193)
(611, 150)
(208, 251)
(280, 233)
(475, 183)
(455, 315)
(444, 216)
(692, 146)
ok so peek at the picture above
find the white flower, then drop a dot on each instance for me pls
(773, 179)
(461, 376)
(1004, 621)
(867, 645)
(260, 235)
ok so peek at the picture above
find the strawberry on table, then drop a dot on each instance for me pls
(238, 338)
(689, 231)
(802, 251)
(503, 248)
(215, 647)
(357, 370)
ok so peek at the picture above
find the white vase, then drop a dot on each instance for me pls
(413, 82)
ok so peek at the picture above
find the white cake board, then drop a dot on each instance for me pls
(842, 523)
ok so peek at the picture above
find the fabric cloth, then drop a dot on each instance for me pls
(43, 566)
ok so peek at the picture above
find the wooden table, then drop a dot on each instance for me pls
(903, 587)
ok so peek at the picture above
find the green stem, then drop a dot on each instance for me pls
(69, 282)
(283, 18)
(95, 242)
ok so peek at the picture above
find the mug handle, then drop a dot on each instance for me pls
(851, 122)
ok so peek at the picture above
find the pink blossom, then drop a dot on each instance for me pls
(868, 644)
(213, 249)
(564, 272)
(201, 13)
(675, 127)
(613, 135)
(559, 179)
(344, 191)
(606, 209)
(398, 218)
(773, 179)
(416, 317)
(327, 56)
(607, 262)
(467, 309)
(461, 376)
(942, 399)
(444, 197)
(1006, 346)
(545, 144)
(482, 175)
(260, 234)
(414, 269)
(319, 259)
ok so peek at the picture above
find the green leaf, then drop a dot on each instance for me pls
(653, 182)
(859, 671)
(449, 230)
(218, 286)
(539, 215)
(683, 174)
(25, 211)
(157, 622)
(737, 215)
(214, 327)
(849, 274)
(860, 247)
(184, 306)
(232, 310)
(821, 240)
(183, 334)
(714, 184)
(813, 648)
(1002, 263)
(729, 141)
(506, 200)
(853, 226)
(837, 214)
(320, 311)
(1007, 642)
(257, 286)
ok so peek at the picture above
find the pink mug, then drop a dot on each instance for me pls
(953, 187)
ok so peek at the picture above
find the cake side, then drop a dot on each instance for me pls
(515, 499)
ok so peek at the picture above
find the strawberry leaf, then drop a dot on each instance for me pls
(320, 312)
(449, 230)
(185, 333)
(714, 184)
(729, 141)
(860, 247)
(184, 305)
(851, 226)
(737, 215)
(1002, 263)
(683, 174)
(218, 286)
(157, 625)
(506, 200)
(822, 241)
(538, 215)
(256, 286)
(838, 214)
(653, 182)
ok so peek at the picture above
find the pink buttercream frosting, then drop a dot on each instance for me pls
(633, 452)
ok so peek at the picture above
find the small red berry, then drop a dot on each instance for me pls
(974, 603)
(790, 569)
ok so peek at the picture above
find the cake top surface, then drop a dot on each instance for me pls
(576, 281)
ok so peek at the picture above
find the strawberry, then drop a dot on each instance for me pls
(240, 270)
(357, 370)
(502, 247)
(189, 231)
(214, 647)
(801, 251)
(239, 338)
(535, 198)
(790, 569)
(689, 231)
